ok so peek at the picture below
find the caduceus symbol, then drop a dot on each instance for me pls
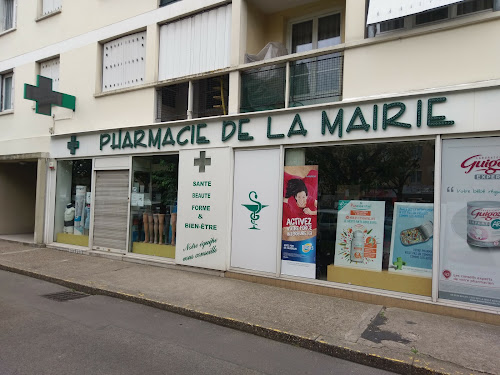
(254, 209)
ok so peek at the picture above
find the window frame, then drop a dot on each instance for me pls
(3, 77)
(314, 17)
(2, 17)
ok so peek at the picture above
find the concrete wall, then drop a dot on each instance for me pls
(17, 197)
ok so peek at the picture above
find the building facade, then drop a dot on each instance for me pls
(351, 147)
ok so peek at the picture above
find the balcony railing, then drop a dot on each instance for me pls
(305, 81)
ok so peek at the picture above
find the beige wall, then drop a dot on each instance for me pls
(17, 197)
(442, 58)
(76, 18)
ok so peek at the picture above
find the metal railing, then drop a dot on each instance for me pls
(305, 81)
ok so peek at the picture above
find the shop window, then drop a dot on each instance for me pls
(73, 202)
(124, 62)
(435, 15)
(353, 214)
(50, 69)
(7, 15)
(7, 91)
(153, 205)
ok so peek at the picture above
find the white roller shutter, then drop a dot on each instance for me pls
(124, 62)
(111, 210)
(195, 44)
(50, 69)
(50, 6)
(384, 10)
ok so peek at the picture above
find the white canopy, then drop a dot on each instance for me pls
(384, 10)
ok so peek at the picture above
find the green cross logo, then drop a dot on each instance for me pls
(254, 209)
(73, 145)
(45, 97)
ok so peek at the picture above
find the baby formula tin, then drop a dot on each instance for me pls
(483, 224)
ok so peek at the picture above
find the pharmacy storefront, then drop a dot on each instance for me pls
(398, 197)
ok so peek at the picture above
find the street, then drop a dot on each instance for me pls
(103, 335)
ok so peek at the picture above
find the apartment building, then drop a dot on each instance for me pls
(350, 148)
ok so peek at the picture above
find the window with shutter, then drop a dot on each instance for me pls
(51, 6)
(50, 69)
(195, 44)
(124, 62)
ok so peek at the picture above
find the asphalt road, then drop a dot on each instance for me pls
(102, 335)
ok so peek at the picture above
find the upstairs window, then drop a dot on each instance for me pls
(427, 17)
(50, 69)
(318, 32)
(7, 15)
(166, 2)
(7, 91)
(124, 62)
(50, 6)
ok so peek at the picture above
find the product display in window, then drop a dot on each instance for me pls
(153, 202)
(374, 214)
(73, 202)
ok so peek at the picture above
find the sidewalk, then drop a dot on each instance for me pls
(403, 341)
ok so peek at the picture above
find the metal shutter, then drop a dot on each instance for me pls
(195, 44)
(124, 62)
(111, 210)
(50, 69)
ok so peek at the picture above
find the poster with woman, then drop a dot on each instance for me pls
(299, 227)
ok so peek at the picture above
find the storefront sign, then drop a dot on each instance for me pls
(45, 97)
(202, 218)
(300, 209)
(360, 234)
(412, 233)
(344, 120)
(255, 210)
(470, 221)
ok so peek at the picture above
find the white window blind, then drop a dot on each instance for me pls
(124, 62)
(50, 6)
(384, 10)
(195, 44)
(50, 69)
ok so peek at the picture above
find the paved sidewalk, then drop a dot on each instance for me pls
(403, 341)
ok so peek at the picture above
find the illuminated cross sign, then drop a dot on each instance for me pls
(45, 97)
(202, 161)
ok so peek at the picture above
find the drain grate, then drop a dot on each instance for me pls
(65, 296)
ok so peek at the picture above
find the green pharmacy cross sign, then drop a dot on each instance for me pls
(45, 97)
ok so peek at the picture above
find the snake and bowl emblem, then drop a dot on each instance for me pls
(254, 209)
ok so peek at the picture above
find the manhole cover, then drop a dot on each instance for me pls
(65, 296)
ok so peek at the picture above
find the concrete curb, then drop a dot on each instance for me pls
(346, 353)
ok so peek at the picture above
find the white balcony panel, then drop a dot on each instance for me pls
(384, 10)
(195, 44)
(124, 62)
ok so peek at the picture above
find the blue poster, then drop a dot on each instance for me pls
(412, 238)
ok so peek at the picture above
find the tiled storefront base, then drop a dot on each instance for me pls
(483, 317)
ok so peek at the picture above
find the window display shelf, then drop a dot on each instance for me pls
(159, 250)
(72, 239)
(381, 280)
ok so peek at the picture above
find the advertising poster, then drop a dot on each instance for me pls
(300, 208)
(81, 193)
(360, 234)
(412, 234)
(470, 221)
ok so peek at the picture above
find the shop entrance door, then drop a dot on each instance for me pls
(111, 211)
